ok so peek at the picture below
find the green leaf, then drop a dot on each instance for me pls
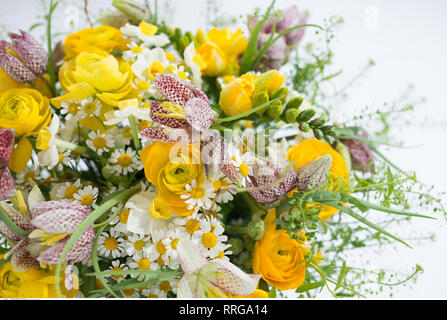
(252, 48)
(309, 286)
(272, 293)
(344, 270)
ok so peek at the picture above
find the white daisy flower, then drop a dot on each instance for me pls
(136, 245)
(87, 196)
(154, 292)
(125, 161)
(130, 293)
(120, 220)
(28, 174)
(146, 33)
(210, 236)
(130, 107)
(199, 196)
(142, 263)
(99, 142)
(65, 159)
(188, 225)
(118, 266)
(225, 190)
(240, 162)
(68, 189)
(90, 107)
(111, 244)
(70, 109)
(171, 240)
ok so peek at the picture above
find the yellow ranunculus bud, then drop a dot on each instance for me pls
(24, 110)
(102, 38)
(270, 80)
(95, 74)
(34, 283)
(235, 97)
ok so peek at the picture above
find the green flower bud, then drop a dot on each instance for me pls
(259, 98)
(178, 33)
(318, 122)
(275, 109)
(294, 103)
(344, 151)
(304, 127)
(329, 130)
(190, 36)
(255, 229)
(184, 42)
(237, 245)
(306, 115)
(315, 174)
(318, 134)
(135, 11)
(280, 93)
(291, 115)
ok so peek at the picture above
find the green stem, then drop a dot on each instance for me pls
(134, 131)
(70, 146)
(50, 67)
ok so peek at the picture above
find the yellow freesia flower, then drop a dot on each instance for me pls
(218, 51)
(235, 97)
(102, 38)
(34, 283)
(170, 170)
(95, 74)
(311, 149)
(24, 110)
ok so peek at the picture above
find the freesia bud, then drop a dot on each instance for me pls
(315, 174)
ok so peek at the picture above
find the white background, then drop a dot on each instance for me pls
(406, 39)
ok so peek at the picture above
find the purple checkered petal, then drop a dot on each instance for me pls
(177, 92)
(199, 114)
(213, 152)
(80, 250)
(166, 121)
(34, 57)
(21, 259)
(19, 219)
(58, 216)
(166, 135)
(7, 184)
(6, 143)
(11, 236)
(4, 45)
(16, 69)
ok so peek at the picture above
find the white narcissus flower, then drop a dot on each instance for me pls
(146, 33)
(189, 53)
(210, 279)
(48, 156)
(130, 107)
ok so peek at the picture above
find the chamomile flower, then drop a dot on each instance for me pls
(240, 162)
(199, 196)
(225, 190)
(210, 236)
(120, 220)
(125, 161)
(90, 107)
(70, 109)
(136, 245)
(142, 263)
(87, 196)
(111, 244)
(118, 266)
(130, 293)
(154, 292)
(188, 225)
(68, 189)
(99, 142)
(28, 174)
(171, 240)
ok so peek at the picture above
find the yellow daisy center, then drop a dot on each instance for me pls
(128, 292)
(138, 245)
(174, 244)
(61, 157)
(124, 160)
(160, 261)
(209, 240)
(99, 142)
(161, 247)
(144, 264)
(87, 200)
(90, 108)
(243, 169)
(111, 243)
(192, 226)
(73, 108)
(117, 276)
(165, 286)
(70, 191)
(127, 133)
(124, 215)
(197, 193)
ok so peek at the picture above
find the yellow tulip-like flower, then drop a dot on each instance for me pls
(311, 149)
(235, 97)
(34, 283)
(219, 50)
(279, 258)
(95, 74)
(270, 81)
(170, 167)
(102, 38)
(24, 110)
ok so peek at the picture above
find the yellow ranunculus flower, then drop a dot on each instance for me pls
(235, 97)
(102, 38)
(278, 258)
(25, 110)
(218, 51)
(95, 74)
(170, 166)
(311, 149)
(34, 283)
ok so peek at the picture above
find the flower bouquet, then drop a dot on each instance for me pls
(140, 160)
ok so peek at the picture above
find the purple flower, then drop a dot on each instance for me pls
(23, 58)
(361, 156)
(7, 185)
(187, 111)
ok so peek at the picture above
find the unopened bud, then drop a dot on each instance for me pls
(294, 103)
(315, 174)
(304, 127)
(318, 122)
(255, 229)
(259, 98)
(291, 115)
(236, 245)
(280, 93)
(275, 109)
(184, 42)
(318, 134)
(135, 11)
(306, 115)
